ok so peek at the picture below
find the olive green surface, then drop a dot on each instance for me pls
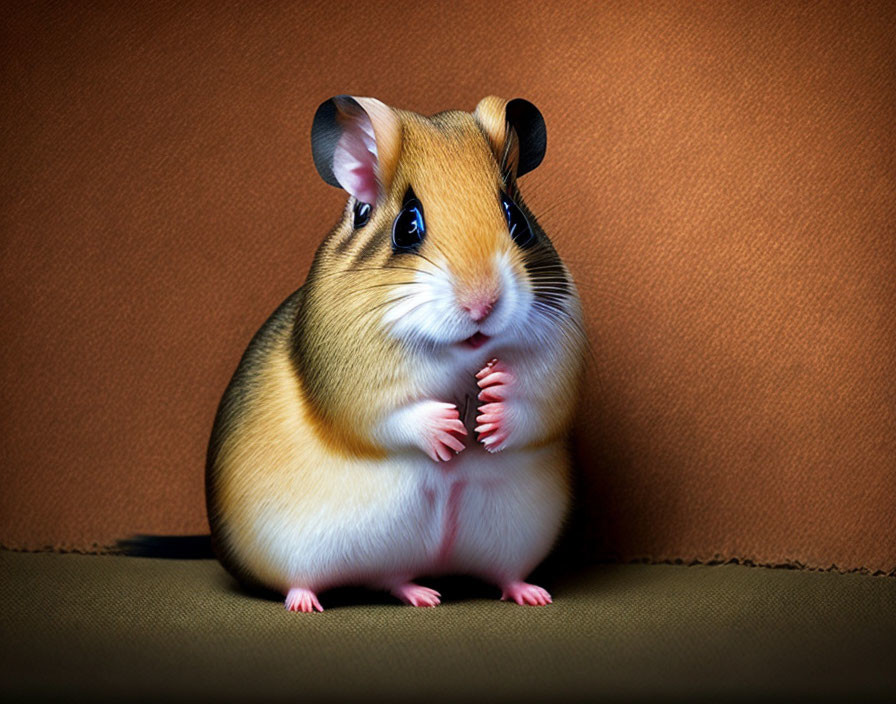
(105, 627)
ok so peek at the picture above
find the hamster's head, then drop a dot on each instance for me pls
(440, 247)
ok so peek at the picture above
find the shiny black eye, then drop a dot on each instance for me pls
(362, 214)
(517, 223)
(409, 227)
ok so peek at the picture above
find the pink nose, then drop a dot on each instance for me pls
(480, 309)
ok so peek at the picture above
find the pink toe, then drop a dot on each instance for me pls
(493, 394)
(526, 594)
(417, 595)
(302, 600)
(487, 369)
(442, 432)
(451, 442)
(495, 378)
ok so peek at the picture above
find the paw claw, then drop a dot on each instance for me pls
(417, 595)
(440, 428)
(303, 600)
(493, 393)
(526, 594)
(494, 378)
(487, 369)
(496, 381)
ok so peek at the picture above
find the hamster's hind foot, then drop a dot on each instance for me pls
(525, 594)
(416, 595)
(304, 600)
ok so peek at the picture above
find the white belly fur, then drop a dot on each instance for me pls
(378, 521)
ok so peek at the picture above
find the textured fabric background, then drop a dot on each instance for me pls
(720, 178)
(102, 628)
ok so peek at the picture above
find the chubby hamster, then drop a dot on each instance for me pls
(405, 413)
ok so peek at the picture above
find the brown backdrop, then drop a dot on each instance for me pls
(720, 178)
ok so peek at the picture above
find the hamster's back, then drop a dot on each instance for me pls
(267, 352)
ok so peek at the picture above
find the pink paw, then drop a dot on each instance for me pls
(524, 593)
(303, 600)
(416, 595)
(441, 426)
(496, 382)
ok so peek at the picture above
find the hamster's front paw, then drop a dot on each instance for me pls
(493, 424)
(440, 427)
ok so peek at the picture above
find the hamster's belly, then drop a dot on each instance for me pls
(350, 522)
(498, 514)
(375, 522)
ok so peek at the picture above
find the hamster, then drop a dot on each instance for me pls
(405, 413)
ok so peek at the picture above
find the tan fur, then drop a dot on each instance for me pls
(276, 454)
(452, 171)
(489, 114)
(464, 182)
(297, 440)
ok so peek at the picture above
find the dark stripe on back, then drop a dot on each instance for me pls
(344, 243)
(370, 248)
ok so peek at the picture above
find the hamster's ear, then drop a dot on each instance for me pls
(355, 144)
(515, 130)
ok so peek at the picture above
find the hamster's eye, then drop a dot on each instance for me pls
(362, 214)
(517, 223)
(409, 227)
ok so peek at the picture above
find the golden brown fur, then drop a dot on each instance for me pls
(295, 430)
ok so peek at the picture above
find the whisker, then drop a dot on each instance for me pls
(557, 203)
(555, 312)
(382, 284)
(369, 311)
(352, 270)
(408, 312)
(437, 266)
(567, 323)
(566, 290)
(594, 287)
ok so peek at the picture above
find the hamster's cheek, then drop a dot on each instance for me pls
(425, 310)
(508, 321)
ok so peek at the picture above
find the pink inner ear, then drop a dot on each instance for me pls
(355, 159)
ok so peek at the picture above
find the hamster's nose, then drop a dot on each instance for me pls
(480, 307)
